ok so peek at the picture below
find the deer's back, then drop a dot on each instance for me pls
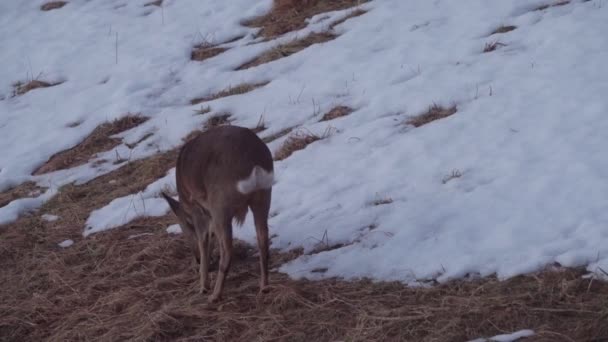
(218, 158)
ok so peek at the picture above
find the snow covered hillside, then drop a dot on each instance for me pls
(508, 176)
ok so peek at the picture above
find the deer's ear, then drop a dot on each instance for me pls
(175, 206)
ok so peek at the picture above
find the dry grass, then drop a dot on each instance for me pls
(355, 13)
(336, 112)
(26, 189)
(288, 49)
(154, 3)
(556, 4)
(21, 88)
(202, 52)
(214, 121)
(489, 47)
(218, 120)
(230, 91)
(295, 142)
(52, 5)
(382, 201)
(277, 135)
(260, 126)
(453, 175)
(435, 112)
(203, 110)
(98, 141)
(290, 15)
(503, 29)
(109, 287)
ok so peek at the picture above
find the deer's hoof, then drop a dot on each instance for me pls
(264, 288)
(213, 299)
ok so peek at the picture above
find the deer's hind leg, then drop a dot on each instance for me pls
(201, 228)
(260, 206)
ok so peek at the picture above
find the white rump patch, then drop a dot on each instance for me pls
(259, 179)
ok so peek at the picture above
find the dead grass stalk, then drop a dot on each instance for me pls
(435, 112)
(288, 49)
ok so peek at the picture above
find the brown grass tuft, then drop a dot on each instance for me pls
(277, 135)
(230, 91)
(291, 15)
(382, 201)
(260, 126)
(288, 49)
(489, 47)
(556, 4)
(52, 5)
(202, 110)
(214, 121)
(355, 13)
(98, 141)
(200, 53)
(218, 120)
(504, 29)
(154, 3)
(336, 112)
(435, 112)
(21, 88)
(23, 190)
(296, 142)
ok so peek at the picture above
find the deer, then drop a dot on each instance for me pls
(219, 175)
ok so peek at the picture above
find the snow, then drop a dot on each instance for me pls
(528, 137)
(49, 217)
(65, 243)
(507, 337)
(124, 209)
(174, 229)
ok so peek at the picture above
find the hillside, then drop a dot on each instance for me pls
(441, 173)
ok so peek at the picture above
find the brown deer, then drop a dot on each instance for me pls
(219, 175)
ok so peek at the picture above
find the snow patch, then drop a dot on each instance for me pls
(174, 229)
(507, 337)
(65, 243)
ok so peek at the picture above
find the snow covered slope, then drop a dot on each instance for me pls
(516, 179)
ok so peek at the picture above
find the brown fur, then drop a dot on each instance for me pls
(208, 169)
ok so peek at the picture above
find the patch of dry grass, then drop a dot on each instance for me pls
(288, 49)
(355, 13)
(98, 141)
(277, 135)
(109, 287)
(489, 47)
(260, 126)
(21, 88)
(154, 3)
(556, 4)
(202, 52)
(503, 29)
(336, 112)
(214, 121)
(52, 5)
(218, 120)
(297, 142)
(230, 91)
(207, 49)
(23, 190)
(382, 201)
(291, 15)
(435, 112)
